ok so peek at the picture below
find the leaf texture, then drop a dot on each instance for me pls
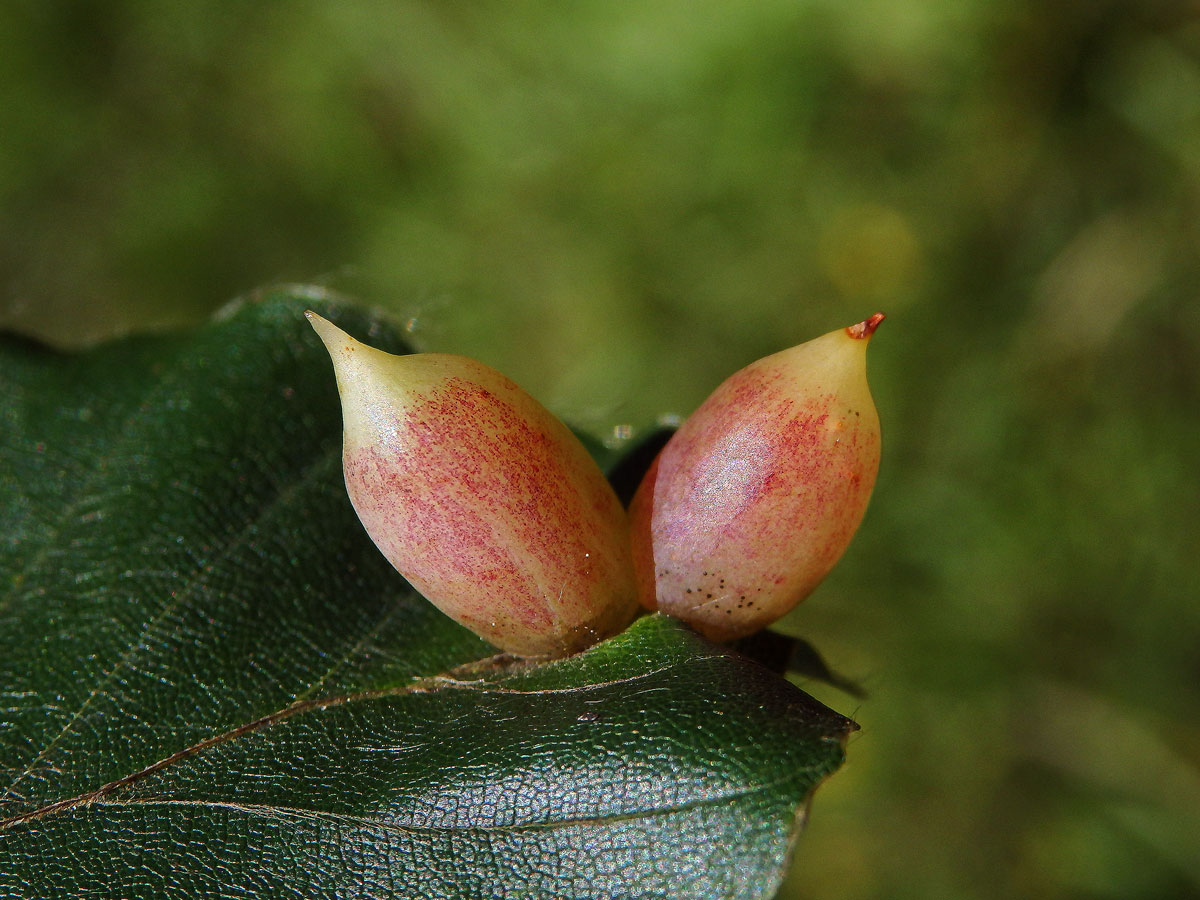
(213, 685)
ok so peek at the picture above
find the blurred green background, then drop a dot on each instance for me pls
(619, 204)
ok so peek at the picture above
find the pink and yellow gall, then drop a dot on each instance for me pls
(756, 497)
(492, 509)
(481, 498)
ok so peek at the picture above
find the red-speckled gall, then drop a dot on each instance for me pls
(756, 497)
(482, 499)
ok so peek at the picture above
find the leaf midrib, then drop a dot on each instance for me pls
(721, 799)
(430, 684)
(190, 585)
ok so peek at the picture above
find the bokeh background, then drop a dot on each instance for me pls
(619, 204)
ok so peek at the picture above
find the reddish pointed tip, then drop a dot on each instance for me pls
(866, 328)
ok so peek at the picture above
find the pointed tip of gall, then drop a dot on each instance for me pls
(864, 329)
(329, 333)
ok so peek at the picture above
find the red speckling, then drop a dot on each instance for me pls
(764, 484)
(493, 510)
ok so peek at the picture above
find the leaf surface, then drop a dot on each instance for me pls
(213, 685)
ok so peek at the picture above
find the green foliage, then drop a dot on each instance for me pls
(214, 684)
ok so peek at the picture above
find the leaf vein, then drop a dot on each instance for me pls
(189, 589)
(429, 684)
(376, 822)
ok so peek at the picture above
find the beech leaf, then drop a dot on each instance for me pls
(213, 685)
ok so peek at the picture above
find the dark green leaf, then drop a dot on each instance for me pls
(212, 684)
